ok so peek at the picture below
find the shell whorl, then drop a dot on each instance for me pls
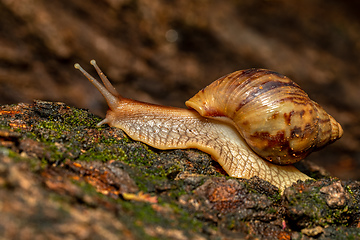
(272, 113)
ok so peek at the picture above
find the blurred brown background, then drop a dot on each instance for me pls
(165, 51)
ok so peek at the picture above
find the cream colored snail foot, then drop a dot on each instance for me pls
(254, 122)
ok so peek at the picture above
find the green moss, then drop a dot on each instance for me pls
(272, 210)
(5, 125)
(65, 133)
(141, 155)
(188, 221)
(136, 214)
(104, 155)
(34, 163)
(349, 190)
(315, 210)
(80, 117)
(31, 135)
(144, 214)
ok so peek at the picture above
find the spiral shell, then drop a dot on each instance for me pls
(273, 114)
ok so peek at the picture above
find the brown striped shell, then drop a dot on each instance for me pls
(272, 113)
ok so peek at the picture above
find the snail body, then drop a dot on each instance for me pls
(213, 128)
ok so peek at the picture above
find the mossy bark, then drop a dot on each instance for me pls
(61, 176)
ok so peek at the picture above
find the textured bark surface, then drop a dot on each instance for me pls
(61, 177)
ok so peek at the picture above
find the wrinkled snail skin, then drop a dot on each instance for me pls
(177, 128)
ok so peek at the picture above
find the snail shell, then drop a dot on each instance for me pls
(272, 113)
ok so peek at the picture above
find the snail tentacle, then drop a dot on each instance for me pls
(111, 99)
(105, 80)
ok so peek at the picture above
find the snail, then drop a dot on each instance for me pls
(253, 122)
